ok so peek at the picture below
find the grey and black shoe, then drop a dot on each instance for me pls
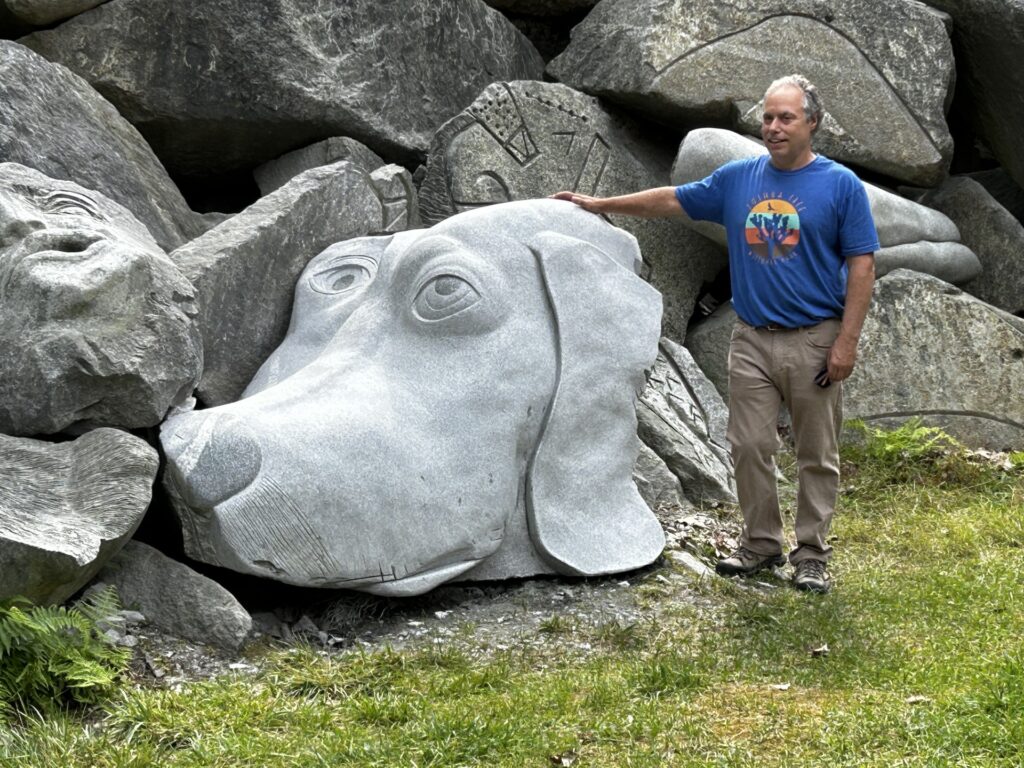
(743, 562)
(812, 576)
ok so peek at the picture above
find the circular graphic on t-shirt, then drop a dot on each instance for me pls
(773, 230)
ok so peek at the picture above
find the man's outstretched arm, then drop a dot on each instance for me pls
(860, 282)
(649, 204)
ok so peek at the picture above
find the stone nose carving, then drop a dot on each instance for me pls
(220, 457)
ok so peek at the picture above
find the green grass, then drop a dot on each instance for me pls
(925, 666)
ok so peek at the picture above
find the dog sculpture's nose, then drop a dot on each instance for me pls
(211, 457)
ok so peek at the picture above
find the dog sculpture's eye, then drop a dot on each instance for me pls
(343, 277)
(444, 296)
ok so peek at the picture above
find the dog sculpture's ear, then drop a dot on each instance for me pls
(585, 514)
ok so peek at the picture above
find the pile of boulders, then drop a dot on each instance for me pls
(121, 304)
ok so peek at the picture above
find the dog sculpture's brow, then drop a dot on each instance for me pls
(425, 251)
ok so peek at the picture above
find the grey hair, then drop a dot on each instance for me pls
(812, 101)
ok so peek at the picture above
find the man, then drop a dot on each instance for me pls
(801, 256)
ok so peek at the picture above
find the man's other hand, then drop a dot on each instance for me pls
(841, 358)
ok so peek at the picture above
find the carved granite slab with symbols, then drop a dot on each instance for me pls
(451, 402)
(97, 325)
(885, 70)
(524, 140)
(912, 236)
(683, 419)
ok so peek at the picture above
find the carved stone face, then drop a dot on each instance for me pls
(86, 298)
(433, 395)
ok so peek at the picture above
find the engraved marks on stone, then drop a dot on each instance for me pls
(596, 160)
(394, 188)
(269, 520)
(517, 141)
(498, 112)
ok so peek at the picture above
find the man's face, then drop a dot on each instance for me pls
(785, 128)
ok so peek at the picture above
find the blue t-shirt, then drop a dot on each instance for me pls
(789, 233)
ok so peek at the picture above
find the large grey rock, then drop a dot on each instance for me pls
(245, 269)
(97, 326)
(933, 351)
(658, 487)
(992, 233)
(228, 84)
(1003, 188)
(912, 236)
(525, 140)
(175, 598)
(452, 402)
(278, 172)
(989, 37)
(65, 509)
(708, 343)
(885, 70)
(683, 419)
(42, 12)
(55, 122)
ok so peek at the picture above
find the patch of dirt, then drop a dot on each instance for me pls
(478, 618)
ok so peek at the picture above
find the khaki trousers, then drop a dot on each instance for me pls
(768, 368)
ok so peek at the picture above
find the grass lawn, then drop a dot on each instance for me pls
(924, 666)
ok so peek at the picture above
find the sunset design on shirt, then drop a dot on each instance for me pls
(772, 230)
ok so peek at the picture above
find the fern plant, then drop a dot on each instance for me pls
(54, 655)
(915, 453)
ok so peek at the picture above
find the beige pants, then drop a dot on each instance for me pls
(768, 368)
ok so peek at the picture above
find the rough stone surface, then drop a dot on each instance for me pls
(175, 598)
(244, 270)
(224, 84)
(912, 236)
(53, 121)
(992, 232)
(97, 326)
(1004, 189)
(67, 508)
(885, 70)
(42, 12)
(453, 402)
(684, 423)
(989, 36)
(525, 140)
(276, 173)
(931, 350)
(708, 343)
(658, 487)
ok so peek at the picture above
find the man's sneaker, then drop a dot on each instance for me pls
(812, 576)
(743, 562)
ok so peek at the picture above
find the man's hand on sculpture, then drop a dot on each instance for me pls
(841, 358)
(586, 202)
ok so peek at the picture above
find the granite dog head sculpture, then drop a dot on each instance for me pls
(457, 401)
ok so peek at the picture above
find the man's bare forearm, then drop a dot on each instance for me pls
(658, 202)
(860, 282)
